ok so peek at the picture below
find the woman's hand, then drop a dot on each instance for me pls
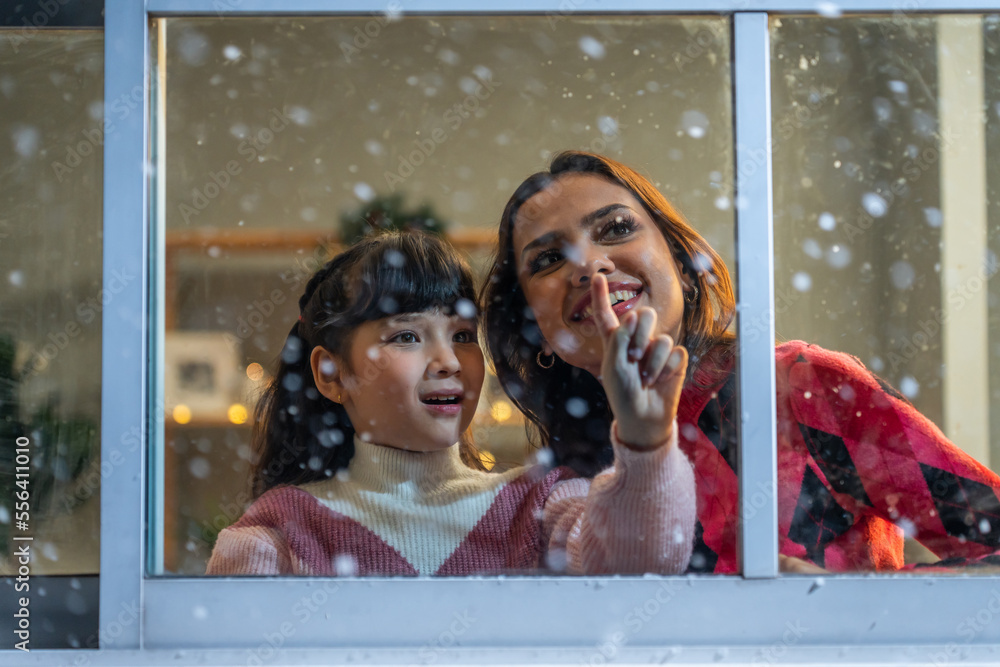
(642, 373)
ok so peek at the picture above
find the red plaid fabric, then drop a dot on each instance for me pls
(858, 466)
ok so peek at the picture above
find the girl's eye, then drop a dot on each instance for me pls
(620, 227)
(544, 260)
(404, 337)
(466, 337)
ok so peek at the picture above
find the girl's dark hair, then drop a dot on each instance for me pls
(554, 399)
(299, 435)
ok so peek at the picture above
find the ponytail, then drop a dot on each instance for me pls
(299, 435)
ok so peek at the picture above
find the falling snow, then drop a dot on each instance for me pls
(577, 407)
(874, 204)
(909, 386)
(902, 274)
(933, 216)
(694, 123)
(592, 47)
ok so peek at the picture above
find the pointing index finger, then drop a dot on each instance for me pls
(604, 316)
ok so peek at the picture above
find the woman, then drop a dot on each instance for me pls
(858, 466)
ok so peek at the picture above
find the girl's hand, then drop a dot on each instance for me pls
(642, 373)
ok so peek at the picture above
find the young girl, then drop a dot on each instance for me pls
(358, 470)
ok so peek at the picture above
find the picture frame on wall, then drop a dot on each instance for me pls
(202, 373)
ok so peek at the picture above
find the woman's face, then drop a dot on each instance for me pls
(580, 225)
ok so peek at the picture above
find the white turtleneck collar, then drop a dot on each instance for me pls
(385, 469)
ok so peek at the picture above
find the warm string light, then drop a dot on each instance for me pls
(255, 372)
(237, 413)
(501, 411)
(181, 414)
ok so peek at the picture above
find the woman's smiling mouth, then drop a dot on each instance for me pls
(623, 298)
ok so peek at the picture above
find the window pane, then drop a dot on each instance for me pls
(280, 137)
(886, 172)
(51, 83)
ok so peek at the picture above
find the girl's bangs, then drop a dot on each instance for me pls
(411, 275)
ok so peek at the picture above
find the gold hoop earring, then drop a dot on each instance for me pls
(691, 296)
(552, 360)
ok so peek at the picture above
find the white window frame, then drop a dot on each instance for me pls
(758, 616)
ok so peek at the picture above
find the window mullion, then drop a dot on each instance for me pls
(123, 361)
(755, 290)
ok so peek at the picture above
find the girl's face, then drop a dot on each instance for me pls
(581, 225)
(414, 380)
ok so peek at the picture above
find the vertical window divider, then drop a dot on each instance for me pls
(123, 353)
(157, 308)
(755, 293)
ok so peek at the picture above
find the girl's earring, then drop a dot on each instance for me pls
(691, 296)
(546, 366)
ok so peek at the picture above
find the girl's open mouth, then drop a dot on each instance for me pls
(447, 405)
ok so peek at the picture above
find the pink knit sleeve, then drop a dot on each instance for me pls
(633, 518)
(252, 550)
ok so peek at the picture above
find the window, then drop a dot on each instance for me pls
(151, 507)
(281, 137)
(884, 239)
(50, 330)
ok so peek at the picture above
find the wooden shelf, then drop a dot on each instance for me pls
(206, 422)
(255, 240)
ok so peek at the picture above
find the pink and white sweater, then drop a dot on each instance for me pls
(399, 512)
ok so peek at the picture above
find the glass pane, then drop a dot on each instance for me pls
(280, 139)
(53, 124)
(885, 162)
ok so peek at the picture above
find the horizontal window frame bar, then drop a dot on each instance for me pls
(560, 7)
(675, 656)
(526, 612)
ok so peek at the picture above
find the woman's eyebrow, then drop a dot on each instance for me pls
(586, 221)
(542, 240)
(591, 218)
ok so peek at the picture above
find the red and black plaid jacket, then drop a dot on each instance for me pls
(858, 466)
